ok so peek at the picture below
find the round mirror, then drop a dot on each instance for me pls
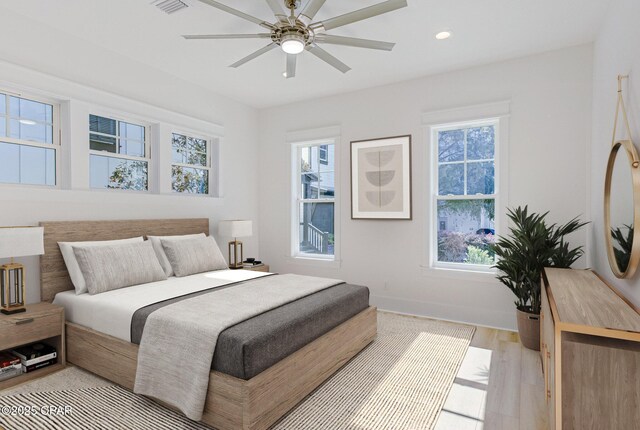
(622, 209)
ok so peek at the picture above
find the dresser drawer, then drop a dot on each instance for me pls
(20, 330)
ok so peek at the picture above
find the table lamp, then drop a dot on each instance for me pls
(17, 242)
(235, 229)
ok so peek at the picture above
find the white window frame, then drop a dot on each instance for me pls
(296, 199)
(464, 117)
(209, 167)
(56, 137)
(147, 147)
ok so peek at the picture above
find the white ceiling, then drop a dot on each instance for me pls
(484, 31)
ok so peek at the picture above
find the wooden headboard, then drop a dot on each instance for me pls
(54, 277)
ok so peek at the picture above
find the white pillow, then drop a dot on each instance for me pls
(72, 263)
(156, 241)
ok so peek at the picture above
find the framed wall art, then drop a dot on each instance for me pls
(381, 178)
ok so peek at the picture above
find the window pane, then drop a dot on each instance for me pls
(111, 172)
(3, 126)
(309, 186)
(317, 228)
(3, 104)
(31, 131)
(102, 125)
(134, 148)
(329, 165)
(451, 145)
(305, 159)
(179, 148)
(103, 143)
(189, 180)
(465, 231)
(451, 179)
(132, 131)
(9, 163)
(20, 164)
(481, 143)
(30, 110)
(326, 185)
(196, 145)
(480, 178)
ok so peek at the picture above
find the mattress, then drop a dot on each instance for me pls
(243, 350)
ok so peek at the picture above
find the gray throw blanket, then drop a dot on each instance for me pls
(179, 340)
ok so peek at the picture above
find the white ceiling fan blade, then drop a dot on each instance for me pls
(278, 11)
(328, 58)
(256, 54)
(352, 41)
(236, 12)
(227, 36)
(310, 11)
(291, 65)
(359, 15)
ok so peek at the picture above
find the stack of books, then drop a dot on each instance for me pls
(10, 365)
(246, 265)
(35, 356)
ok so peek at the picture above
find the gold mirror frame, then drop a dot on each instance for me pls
(634, 163)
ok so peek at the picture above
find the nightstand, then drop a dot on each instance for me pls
(263, 268)
(42, 322)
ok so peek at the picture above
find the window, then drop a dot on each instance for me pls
(464, 195)
(314, 204)
(119, 154)
(191, 166)
(29, 141)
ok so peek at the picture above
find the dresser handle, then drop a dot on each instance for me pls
(24, 321)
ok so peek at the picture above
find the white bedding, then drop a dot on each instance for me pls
(111, 312)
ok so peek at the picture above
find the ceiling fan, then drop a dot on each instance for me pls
(296, 32)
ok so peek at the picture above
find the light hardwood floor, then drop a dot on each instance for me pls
(499, 386)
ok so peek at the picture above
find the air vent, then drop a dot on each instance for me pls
(169, 6)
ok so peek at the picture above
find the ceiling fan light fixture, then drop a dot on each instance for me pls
(292, 44)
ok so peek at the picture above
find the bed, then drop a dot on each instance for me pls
(250, 386)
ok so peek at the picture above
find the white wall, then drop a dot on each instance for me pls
(81, 76)
(616, 51)
(549, 137)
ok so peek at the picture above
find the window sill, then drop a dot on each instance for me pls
(310, 261)
(487, 275)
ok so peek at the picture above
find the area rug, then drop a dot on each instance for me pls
(398, 382)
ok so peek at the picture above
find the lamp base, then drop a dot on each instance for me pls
(234, 261)
(13, 310)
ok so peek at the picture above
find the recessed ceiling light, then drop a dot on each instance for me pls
(284, 74)
(443, 35)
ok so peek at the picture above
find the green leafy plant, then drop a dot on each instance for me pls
(476, 255)
(623, 251)
(531, 246)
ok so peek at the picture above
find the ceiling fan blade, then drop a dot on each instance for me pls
(328, 58)
(352, 41)
(278, 11)
(359, 15)
(256, 54)
(236, 12)
(227, 36)
(291, 65)
(310, 11)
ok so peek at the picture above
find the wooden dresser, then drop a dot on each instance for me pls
(590, 347)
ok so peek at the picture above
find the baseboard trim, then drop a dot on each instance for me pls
(500, 320)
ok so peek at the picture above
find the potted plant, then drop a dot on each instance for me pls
(531, 246)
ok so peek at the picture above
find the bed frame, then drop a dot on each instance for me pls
(231, 403)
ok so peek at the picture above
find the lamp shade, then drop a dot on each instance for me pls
(235, 228)
(21, 241)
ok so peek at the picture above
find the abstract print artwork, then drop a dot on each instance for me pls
(381, 178)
